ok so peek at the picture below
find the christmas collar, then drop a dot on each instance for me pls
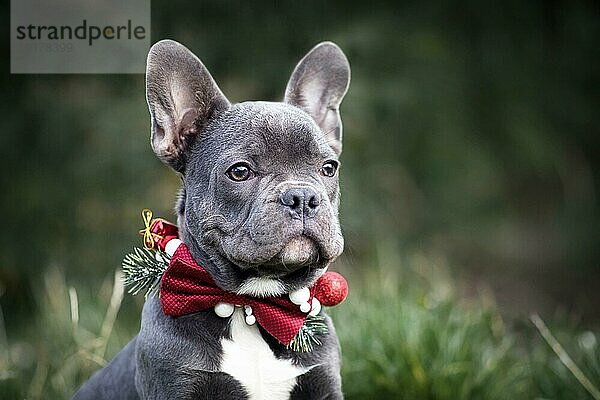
(187, 288)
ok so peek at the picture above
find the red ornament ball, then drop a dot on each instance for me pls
(331, 289)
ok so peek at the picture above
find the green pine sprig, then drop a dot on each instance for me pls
(306, 338)
(143, 269)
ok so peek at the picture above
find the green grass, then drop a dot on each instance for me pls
(405, 332)
(405, 342)
(65, 342)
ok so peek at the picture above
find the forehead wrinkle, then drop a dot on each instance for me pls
(279, 134)
(294, 145)
(270, 132)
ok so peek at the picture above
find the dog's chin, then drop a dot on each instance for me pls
(297, 253)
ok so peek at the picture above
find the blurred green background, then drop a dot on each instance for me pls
(469, 181)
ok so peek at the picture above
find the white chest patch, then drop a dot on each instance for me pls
(248, 358)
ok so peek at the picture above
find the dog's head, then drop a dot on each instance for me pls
(260, 179)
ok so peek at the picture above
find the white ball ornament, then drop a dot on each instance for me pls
(250, 319)
(300, 296)
(305, 307)
(171, 246)
(224, 310)
(247, 310)
(316, 307)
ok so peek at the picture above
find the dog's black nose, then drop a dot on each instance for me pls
(301, 202)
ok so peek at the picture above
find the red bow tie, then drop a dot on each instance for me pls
(187, 288)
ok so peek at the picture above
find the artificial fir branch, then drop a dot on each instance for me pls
(143, 269)
(307, 336)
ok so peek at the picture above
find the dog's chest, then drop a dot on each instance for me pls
(250, 360)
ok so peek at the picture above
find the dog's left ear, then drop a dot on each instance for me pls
(318, 85)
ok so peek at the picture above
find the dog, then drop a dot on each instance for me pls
(258, 209)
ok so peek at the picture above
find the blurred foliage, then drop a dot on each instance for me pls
(471, 131)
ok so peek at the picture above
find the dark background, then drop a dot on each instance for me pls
(471, 134)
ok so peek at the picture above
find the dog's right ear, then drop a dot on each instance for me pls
(182, 96)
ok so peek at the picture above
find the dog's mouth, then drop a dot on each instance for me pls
(299, 254)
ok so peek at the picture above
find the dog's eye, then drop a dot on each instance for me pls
(240, 172)
(329, 168)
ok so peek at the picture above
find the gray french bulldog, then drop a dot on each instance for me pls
(258, 209)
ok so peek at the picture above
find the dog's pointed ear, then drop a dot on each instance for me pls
(182, 96)
(318, 85)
